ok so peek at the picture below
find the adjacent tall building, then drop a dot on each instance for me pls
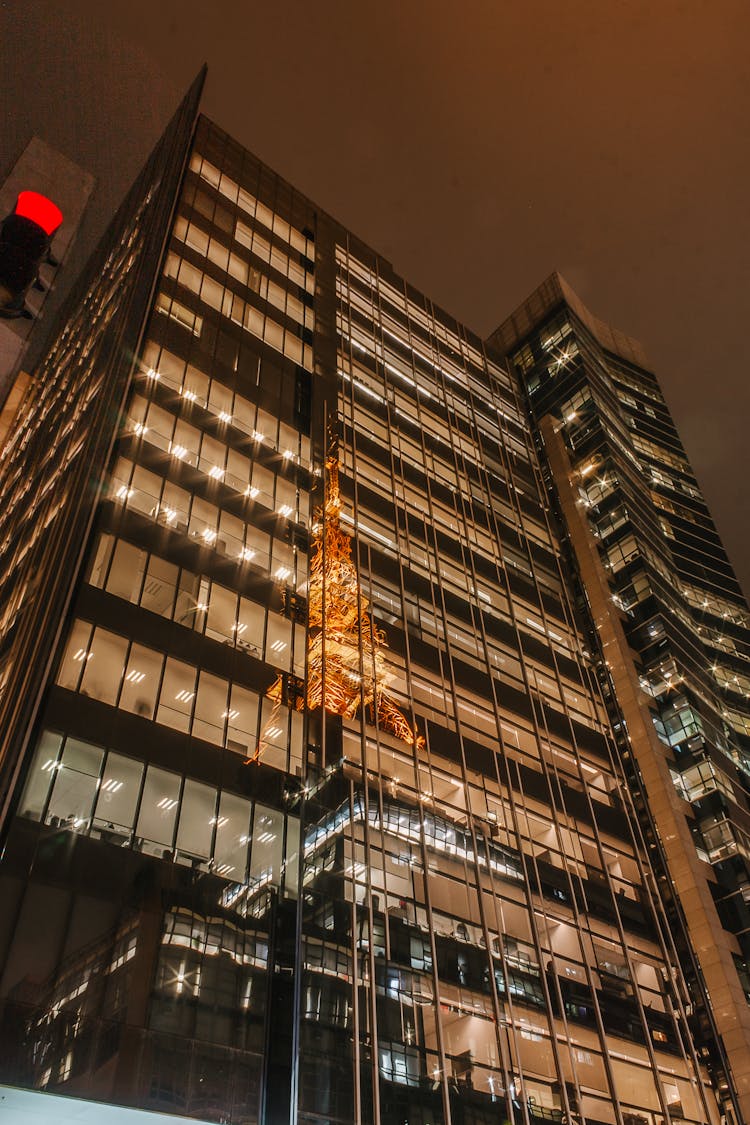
(331, 794)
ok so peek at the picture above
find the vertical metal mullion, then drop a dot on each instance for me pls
(347, 400)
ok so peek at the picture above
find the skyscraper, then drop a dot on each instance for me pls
(671, 615)
(319, 806)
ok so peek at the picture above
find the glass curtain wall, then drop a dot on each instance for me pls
(428, 903)
(152, 867)
(682, 609)
(480, 928)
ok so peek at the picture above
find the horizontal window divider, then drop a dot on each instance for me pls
(232, 662)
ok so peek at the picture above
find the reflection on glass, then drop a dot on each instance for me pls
(118, 798)
(104, 666)
(77, 655)
(43, 769)
(158, 812)
(177, 695)
(210, 709)
(242, 720)
(75, 785)
(232, 837)
(141, 682)
(197, 819)
(267, 845)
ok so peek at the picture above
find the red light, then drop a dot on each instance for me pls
(42, 211)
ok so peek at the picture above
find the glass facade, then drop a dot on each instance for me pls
(319, 810)
(683, 614)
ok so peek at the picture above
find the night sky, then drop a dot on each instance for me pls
(477, 145)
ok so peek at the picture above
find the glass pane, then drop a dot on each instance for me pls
(141, 681)
(262, 486)
(282, 561)
(222, 614)
(295, 742)
(286, 497)
(197, 818)
(203, 518)
(186, 442)
(77, 654)
(118, 798)
(274, 734)
(101, 560)
(288, 440)
(177, 695)
(196, 383)
(174, 507)
(126, 573)
(232, 837)
(238, 469)
(232, 535)
(84, 757)
(301, 561)
(273, 333)
(104, 666)
(220, 399)
(267, 841)
(161, 795)
(278, 639)
(210, 709)
(120, 486)
(187, 600)
(251, 622)
(76, 784)
(242, 727)
(145, 490)
(299, 650)
(160, 423)
(257, 544)
(42, 771)
(291, 862)
(213, 456)
(244, 414)
(171, 367)
(160, 585)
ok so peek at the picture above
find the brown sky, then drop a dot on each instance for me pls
(478, 145)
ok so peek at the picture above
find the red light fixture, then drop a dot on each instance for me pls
(40, 210)
(25, 241)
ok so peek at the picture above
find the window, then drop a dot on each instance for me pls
(278, 641)
(141, 682)
(77, 655)
(105, 663)
(210, 709)
(221, 619)
(177, 695)
(160, 586)
(242, 725)
(76, 783)
(126, 571)
(197, 820)
(251, 620)
(118, 797)
(43, 769)
(232, 837)
(161, 795)
(267, 844)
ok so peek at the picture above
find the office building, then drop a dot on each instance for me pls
(318, 803)
(670, 613)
